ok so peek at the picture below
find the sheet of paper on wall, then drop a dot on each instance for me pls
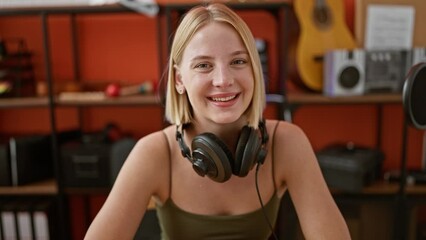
(389, 27)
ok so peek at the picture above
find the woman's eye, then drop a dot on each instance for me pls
(202, 65)
(239, 62)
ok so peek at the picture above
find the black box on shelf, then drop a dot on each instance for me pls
(30, 159)
(350, 168)
(5, 179)
(85, 165)
(25, 159)
(93, 164)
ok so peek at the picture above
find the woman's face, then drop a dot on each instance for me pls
(216, 74)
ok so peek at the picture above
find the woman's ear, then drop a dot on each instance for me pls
(180, 88)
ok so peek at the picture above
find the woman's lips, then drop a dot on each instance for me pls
(224, 101)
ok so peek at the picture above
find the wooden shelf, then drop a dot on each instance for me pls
(419, 189)
(120, 101)
(47, 187)
(381, 187)
(316, 98)
(24, 102)
(30, 102)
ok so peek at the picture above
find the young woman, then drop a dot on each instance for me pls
(208, 170)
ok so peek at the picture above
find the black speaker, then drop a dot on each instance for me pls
(211, 157)
(385, 70)
(414, 96)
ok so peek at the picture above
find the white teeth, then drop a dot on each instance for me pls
(224, 99)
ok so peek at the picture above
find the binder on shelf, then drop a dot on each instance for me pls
(27, 219)
(43, 219)
(23, 220)
(8, 221)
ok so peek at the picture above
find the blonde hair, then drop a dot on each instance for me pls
(178, 108)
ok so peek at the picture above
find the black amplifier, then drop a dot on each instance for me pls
(350, 168)
(385, 70)
(94, 164)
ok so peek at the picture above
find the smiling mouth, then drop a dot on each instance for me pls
(223, 99)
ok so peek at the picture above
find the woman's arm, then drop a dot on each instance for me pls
(141, 176)
(318, 214)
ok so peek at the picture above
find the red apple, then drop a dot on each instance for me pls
(112, 90)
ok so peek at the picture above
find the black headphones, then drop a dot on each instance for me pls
(211, 157)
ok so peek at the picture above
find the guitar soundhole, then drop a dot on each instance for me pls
(322, 16)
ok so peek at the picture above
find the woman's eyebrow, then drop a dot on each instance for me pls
(206, 57)
(239, 52)
(201, 57)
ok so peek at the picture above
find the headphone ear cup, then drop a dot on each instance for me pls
(248, 147)
(241, 146)
(215, 155)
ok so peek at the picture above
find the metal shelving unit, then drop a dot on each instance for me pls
(54, 188)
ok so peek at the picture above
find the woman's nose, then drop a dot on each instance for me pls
(223, 77)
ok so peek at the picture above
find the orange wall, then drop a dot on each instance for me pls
(123, 48)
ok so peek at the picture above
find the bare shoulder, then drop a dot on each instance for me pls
(155, 143)
(291, 141)
(152, 152)
(292, 149)
(149, 157)
(149, 150)
(285, 132)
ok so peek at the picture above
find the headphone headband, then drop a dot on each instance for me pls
(186, 152)
(263, 132)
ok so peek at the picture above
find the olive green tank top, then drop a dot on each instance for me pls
(178, 224)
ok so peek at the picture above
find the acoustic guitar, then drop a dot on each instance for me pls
(322, 28)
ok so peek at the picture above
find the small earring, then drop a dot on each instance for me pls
(180, 90)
